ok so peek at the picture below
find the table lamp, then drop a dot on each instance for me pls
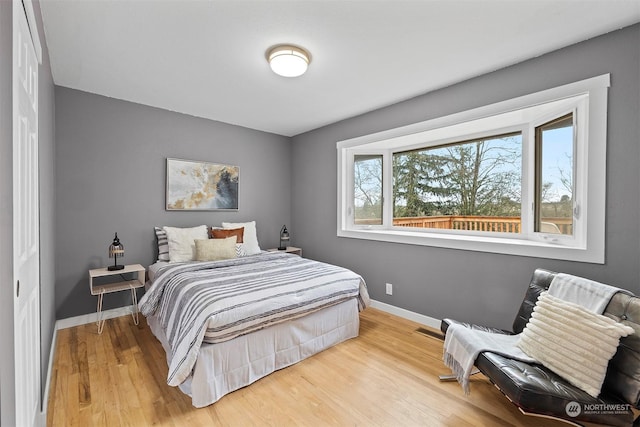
(284, 238)
(116, 250)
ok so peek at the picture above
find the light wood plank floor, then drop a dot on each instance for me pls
(385, 377)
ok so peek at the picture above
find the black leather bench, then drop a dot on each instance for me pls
(536, 390)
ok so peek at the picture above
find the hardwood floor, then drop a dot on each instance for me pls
(388, 376)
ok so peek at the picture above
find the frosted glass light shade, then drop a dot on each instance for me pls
(288, 61)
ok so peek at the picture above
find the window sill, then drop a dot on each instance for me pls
(498, 245)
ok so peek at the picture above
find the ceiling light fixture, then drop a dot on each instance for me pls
(288, 60)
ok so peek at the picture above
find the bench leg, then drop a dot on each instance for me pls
(452, 377)
(549, 417)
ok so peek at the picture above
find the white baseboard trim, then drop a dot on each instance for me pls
(406, 314)
(70, 322)
(52, 354)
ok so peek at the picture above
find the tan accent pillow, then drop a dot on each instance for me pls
(223, 233)
(216, 249)
(572, 341)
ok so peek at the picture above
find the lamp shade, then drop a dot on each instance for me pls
(288, 60)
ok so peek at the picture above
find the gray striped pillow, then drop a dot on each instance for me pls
(163, 244)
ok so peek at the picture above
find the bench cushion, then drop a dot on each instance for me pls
(537, 390)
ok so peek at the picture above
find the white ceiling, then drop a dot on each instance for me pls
(207, 58)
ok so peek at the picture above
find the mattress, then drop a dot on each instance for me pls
(224, 367)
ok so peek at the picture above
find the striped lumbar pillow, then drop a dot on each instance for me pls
(572, 341)
(163, 244)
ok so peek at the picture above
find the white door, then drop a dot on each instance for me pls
(26, 233)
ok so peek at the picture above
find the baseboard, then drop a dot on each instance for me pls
(70, 322)
(406, 314)
(47, 385)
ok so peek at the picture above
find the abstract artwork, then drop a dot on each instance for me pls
(193, 185)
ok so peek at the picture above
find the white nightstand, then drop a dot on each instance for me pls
(123, 285)
(289, 250)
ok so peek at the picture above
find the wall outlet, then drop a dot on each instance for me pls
(389, 289)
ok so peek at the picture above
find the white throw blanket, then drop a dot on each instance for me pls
(593, 296)
(462, 346)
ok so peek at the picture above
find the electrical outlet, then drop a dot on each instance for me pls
(389, 289)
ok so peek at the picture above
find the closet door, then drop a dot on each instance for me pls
(26, 233)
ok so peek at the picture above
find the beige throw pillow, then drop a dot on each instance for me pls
(216, 249)
(572, 341)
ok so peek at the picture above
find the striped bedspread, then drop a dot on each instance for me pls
(217, 301)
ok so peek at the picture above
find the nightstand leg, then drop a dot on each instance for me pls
(100, 322)
(134, 300)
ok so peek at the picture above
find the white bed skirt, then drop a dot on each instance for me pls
(225, 367)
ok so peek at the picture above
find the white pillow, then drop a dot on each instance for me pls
(572, 341)
(182, 246)
(216, 249)
(251, 246)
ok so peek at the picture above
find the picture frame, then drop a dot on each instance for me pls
(201, 186)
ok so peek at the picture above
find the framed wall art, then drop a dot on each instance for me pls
(194, 185)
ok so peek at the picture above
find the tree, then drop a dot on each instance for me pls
(485, 176)
(416, 175)
(367, 181)
(474, 178)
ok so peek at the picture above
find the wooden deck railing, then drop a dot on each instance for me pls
(500, 224)
(462, 222)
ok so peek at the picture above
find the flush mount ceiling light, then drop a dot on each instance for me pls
(288, 60)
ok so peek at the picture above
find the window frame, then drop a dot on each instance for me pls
(586, 99)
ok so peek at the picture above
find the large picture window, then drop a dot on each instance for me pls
(513, 177)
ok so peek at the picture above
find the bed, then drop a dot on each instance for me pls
(225, 324)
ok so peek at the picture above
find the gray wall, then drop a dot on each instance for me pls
(110, 177)
(47, 231)
(475, 286)
(46, 128)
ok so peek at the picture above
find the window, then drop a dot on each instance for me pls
(554, 176)
(367, 189)
(472, 185)
(513, 177)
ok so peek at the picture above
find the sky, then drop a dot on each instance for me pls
(557, 153)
